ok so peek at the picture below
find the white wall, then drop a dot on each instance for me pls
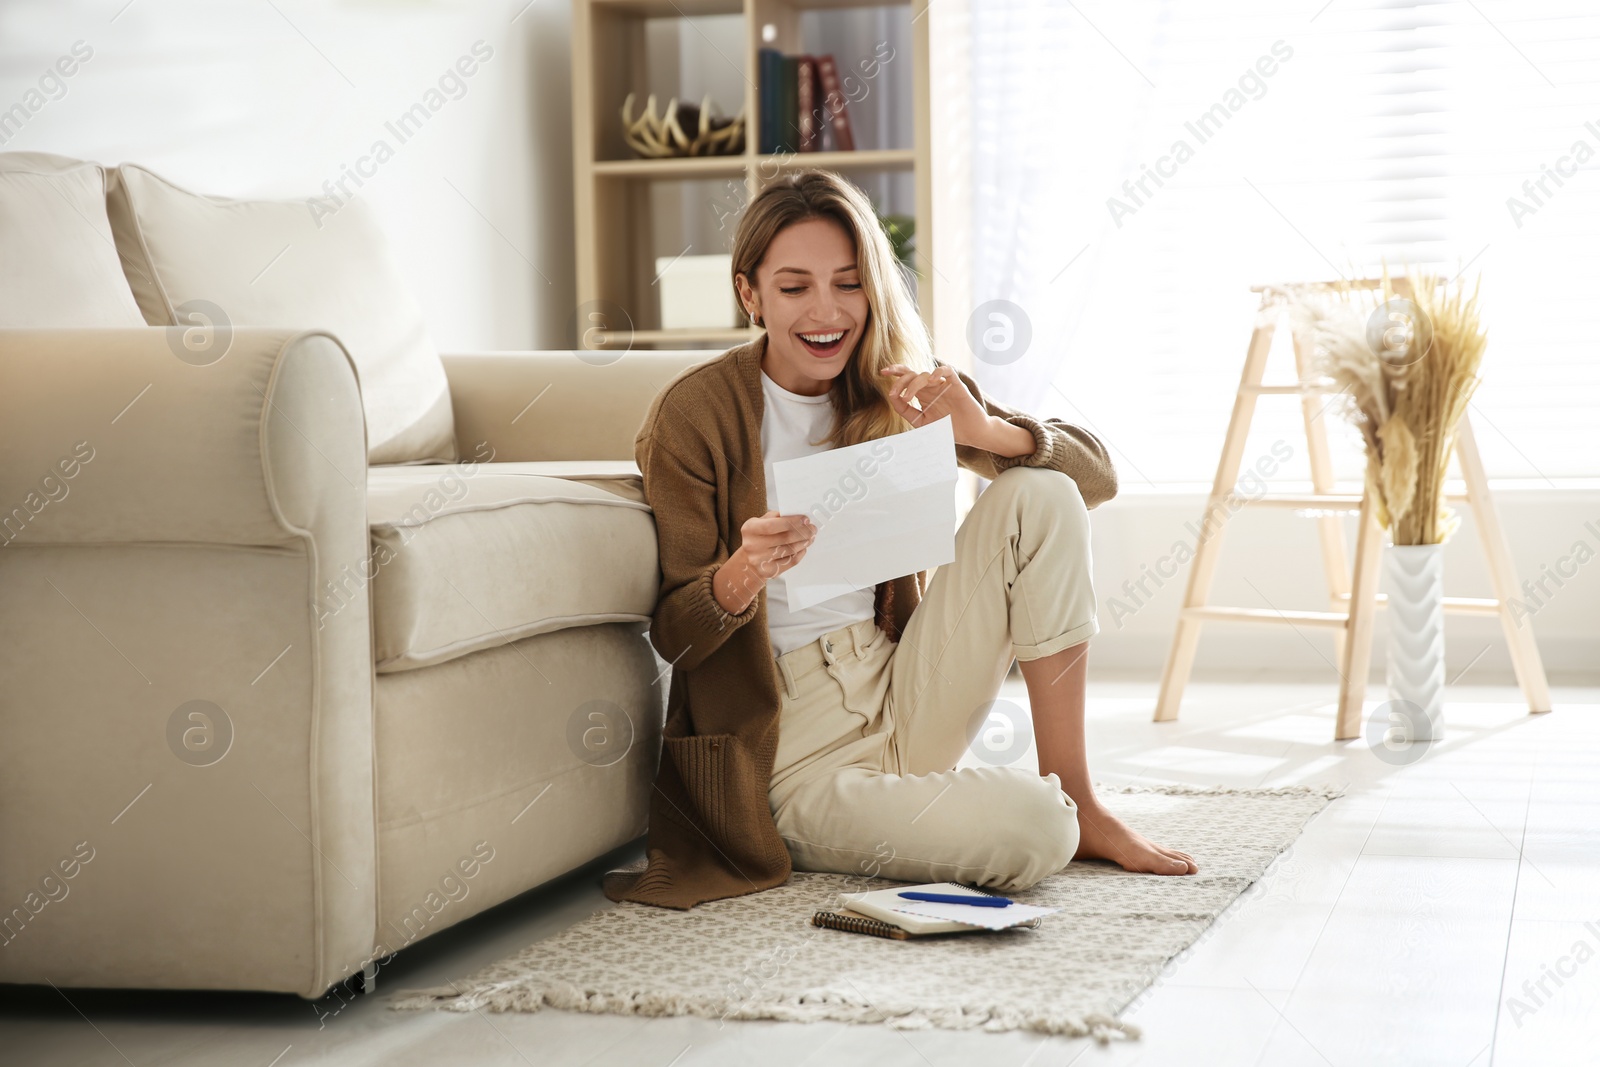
(254, 99)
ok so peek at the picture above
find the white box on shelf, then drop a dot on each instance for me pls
(697, 292)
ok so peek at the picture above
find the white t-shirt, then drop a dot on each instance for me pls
(789, 423)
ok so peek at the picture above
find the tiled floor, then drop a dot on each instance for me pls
(1445, 911)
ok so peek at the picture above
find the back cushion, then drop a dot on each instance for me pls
(58, 263)
(192, 258)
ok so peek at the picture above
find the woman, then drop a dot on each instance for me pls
(826, 738)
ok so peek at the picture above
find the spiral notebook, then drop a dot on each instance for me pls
(884, 913)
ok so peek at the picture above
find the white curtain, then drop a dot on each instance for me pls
(1315, 142)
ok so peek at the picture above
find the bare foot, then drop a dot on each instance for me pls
(1103, 836)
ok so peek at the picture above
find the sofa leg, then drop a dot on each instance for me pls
(369, 979)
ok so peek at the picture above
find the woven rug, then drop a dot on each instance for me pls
(758, 957)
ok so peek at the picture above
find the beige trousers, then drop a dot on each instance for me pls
(871, 730)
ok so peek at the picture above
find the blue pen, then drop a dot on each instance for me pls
(951, 898)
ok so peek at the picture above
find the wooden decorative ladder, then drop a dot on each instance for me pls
(1352, 592)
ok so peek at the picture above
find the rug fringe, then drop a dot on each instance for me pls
(1332, 792)
(810, 1006)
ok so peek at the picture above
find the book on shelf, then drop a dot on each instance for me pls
(789, 106)
(802, 106)
(809, 130)
(770, 62)
(834, 104)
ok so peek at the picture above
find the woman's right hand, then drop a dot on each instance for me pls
(769, 545)
(773, 543)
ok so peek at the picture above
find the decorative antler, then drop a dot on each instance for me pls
(658, 137)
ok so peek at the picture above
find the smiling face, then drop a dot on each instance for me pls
(807, 293)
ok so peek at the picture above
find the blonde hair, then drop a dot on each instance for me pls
(894, 331)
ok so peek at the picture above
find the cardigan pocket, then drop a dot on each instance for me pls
(718, 776)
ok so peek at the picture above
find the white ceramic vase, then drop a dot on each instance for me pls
(1414, 580)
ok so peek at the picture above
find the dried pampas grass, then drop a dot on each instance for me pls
(1409, 365)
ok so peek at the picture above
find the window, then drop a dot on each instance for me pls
(1257, 145)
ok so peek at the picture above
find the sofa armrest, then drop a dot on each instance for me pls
(548, 405)
(111, 437)
(183, 593)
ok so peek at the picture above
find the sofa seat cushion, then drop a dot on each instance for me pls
(473, 556)
(58, 263)
(193, 260)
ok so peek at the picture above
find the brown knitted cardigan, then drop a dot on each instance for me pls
(711, 830)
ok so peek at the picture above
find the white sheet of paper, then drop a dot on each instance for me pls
(883, 509)
(988, 918)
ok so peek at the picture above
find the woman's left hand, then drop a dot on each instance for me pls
(938, 393)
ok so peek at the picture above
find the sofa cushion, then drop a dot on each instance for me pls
(58, 262)
(477, 555)
(502, 747)
(275, 263)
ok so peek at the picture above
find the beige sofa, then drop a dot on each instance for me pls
(314, 643)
